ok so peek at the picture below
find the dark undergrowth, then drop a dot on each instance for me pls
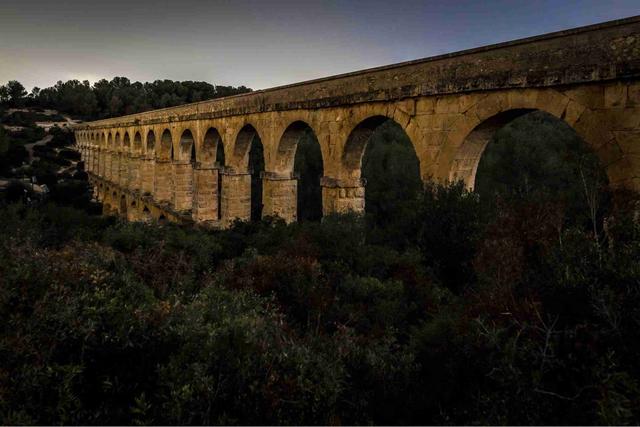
(466, 315)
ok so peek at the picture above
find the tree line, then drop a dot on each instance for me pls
(113, 98)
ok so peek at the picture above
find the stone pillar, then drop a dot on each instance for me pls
(342, 195)
(124, 170)
(92, 159)
(115, 167)
(147, 165)
(87, 160)
(89, 166)
(108, 161)
(280, 196)
(182, 185)
(102, 157)
(205, 194)
(236, 197)
(96, 161)
(134, 172)
(163, 191)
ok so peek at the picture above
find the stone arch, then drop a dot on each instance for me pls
(465, 163)
(210, 149)
(126, 142)
(118, 141)
(347, 192)
(356, 144)
(241, 148)
(151, 143)
(461, 154)
(137, 143)
(298, 175)
(288, 144)
(186, 146)
(110, 141)
(165, 150)
(497, 110)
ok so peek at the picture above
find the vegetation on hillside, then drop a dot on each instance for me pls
(113, 98)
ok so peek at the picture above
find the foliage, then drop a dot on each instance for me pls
(309, 323)
(113, 98)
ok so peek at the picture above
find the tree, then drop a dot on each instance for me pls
(4, 94)
(16, 92)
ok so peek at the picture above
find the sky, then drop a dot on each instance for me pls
(262, 44)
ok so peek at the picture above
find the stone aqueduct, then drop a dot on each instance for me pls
(162, 164)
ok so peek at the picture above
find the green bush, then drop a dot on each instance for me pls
(504, 316)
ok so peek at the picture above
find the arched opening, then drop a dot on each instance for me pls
(249, 151)
(530, 157)
(118, 142)
(380, 153)
(299, 153)
(186, 145)
(110, 141)
(151, 143)
(166, 146)
(137, 143)
(211, 145)
(126, 142)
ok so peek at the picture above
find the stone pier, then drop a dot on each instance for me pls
(134, 172)
(205, 198)
(163, 181)
(182, 185)
(280, 196)
(147, 166)
(341, 196)
(236, 196)
(123, 177)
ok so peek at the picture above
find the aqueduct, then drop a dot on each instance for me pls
(167, 164)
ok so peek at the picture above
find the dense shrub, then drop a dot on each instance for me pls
(504, 316)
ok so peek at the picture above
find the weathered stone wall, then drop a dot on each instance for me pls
(449, 106)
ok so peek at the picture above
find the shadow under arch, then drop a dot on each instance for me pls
(299, 154)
